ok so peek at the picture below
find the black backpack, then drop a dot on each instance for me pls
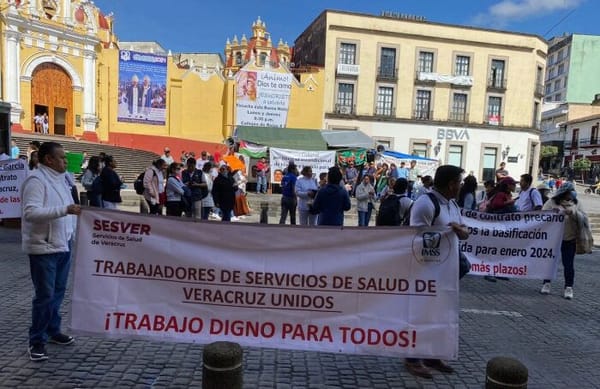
(138, 184)
(436, 211)
(389, 211)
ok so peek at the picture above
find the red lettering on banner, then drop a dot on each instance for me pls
(242, 328)
(509, 270)
(156, 323)
(375, 337)
(309, 332)
(122, 227)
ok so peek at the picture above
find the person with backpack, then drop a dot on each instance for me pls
(530, 199)
(195, 180)
(153, 185)
(365, 195)
(394, 209)
(439, 208)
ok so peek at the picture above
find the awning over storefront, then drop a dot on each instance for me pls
(283, 138)
(347, 139)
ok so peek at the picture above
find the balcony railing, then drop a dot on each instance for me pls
(459, 116)
(421, 77)
(419, 114)
(385, 111)
(539, 90)
(344, 109)
(496, 83)
(387, 73)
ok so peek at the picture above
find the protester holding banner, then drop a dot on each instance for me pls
(502, 201)
(565, 202)
(530, 199)
(332, 201)
(46, 237)
(446, 184)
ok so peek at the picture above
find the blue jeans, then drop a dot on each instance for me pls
(362, 218)
(567, 253)
(261, 184)
(49, 273)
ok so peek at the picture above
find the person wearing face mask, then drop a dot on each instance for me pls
(565, 202)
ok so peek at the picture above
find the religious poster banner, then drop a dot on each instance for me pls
(357, 157)
(12, 175)
(514, 245)
(142, 88)
(263, 98)
(319, 161)
(395, 293)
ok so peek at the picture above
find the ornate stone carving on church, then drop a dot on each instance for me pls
(50, 8)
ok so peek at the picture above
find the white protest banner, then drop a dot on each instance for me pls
(392, 292)
(12, 175)
(514, 245)
(319, 161)
(263, 98)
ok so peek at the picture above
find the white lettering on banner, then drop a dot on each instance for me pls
(12, 175)
(319, 161)
(515, 245)
(384, 298)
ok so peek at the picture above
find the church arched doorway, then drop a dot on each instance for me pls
(52, 95)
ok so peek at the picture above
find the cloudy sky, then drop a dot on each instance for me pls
(204, 26)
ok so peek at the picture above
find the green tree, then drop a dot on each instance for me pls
(549, 151)
(582, 164)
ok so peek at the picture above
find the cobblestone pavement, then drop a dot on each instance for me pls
(558, 340)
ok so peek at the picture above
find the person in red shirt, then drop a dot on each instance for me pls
(502, 202)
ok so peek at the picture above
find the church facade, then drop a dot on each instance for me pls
(65, 72)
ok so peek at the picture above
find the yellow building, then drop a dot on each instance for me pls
(467, 96)
(61, 58)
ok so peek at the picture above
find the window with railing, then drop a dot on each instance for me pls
(423, 105)
(345, 98)
(387, 62)
(463, 63)
(594, 137)
(348, 53)
(459, 107)
(425, 62)
(385, 100)
(494, 110)
(497, 74)
(575, 138)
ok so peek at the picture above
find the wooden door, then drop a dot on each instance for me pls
(51, 86)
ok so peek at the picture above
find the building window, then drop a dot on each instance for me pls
(459, 107)
(561, 68)
(556, 85)
(548, 88)
(348, 53)
(423, 105)
(263, 59)
(536, 113)
(425, 62)
(345, 98)
(388, 62)
(497, 74)
(455, 153)
(575, 139)
(462, 65)
(419, 149)
(489, 163)
(557, 97)
(565, 81)
(594, 137)
(238, 58)
(385, 98)
(494, 110)
(539, 75)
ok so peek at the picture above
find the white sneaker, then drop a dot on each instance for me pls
(569, 293)
(235, 219)
(545, 288)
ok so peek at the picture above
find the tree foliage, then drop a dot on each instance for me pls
(549, 151)
(582, 164)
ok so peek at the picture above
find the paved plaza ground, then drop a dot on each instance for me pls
(557, 339)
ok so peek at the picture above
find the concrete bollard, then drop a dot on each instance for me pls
(222, 366)
(504, 373)
(264, 212)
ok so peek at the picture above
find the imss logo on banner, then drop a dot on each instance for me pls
(430, 246)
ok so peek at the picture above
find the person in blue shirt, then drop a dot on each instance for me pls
(288, 194)
(403, 171)
(332, 200)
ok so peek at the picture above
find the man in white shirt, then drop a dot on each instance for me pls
(530, 199)
(446, 185)
(167, 156)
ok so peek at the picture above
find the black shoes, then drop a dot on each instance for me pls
(61, 339)
(37, 353)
